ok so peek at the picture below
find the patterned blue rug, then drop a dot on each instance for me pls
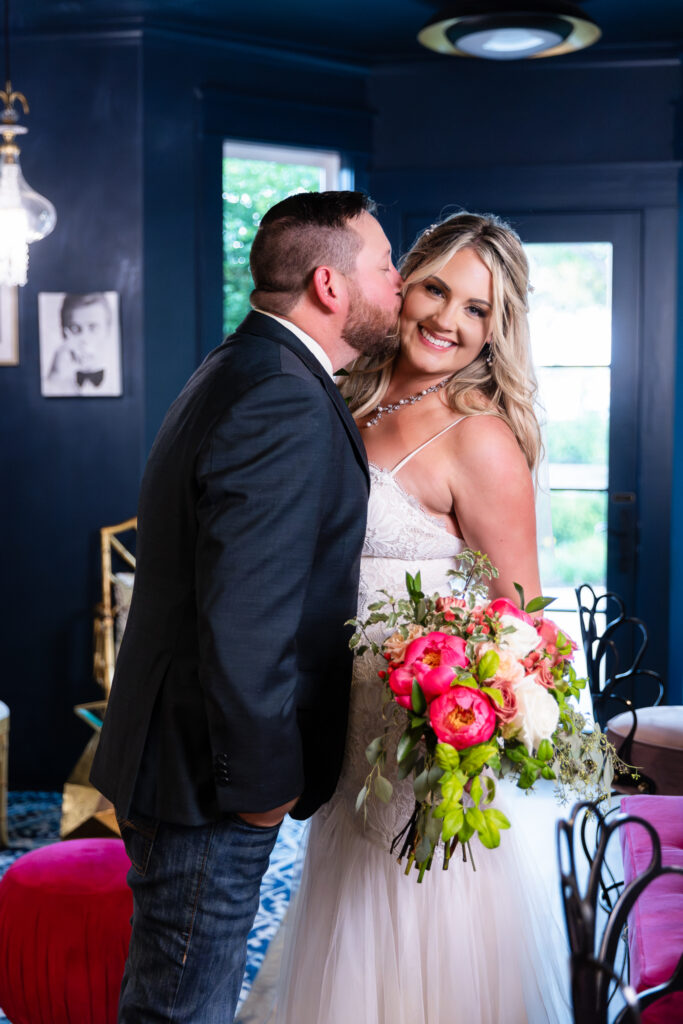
(33, 821)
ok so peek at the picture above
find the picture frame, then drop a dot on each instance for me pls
(80, 345)
(9, 325)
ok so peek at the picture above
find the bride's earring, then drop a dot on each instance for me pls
(489, 353)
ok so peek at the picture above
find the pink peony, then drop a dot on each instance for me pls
(504, 607)
(462, 717)
(432, 660)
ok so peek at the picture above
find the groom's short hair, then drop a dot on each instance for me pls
(304, 231)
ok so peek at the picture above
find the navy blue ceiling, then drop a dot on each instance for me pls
(368, 31)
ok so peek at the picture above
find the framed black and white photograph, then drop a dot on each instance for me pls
(9, 325)
(80, 344)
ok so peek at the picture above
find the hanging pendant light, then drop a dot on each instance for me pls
(25, 216)
(509, 29)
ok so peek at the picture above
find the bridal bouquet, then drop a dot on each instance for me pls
(483, 690)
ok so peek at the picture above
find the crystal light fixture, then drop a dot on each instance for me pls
(25, 216)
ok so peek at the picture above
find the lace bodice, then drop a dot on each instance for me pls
(401, 537)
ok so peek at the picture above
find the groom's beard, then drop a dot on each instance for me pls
(370, 329)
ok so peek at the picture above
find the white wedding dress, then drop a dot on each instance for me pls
(367, 944)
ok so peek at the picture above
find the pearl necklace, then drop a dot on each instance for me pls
(380, 410)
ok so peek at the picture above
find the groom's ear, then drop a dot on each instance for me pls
(329, 289)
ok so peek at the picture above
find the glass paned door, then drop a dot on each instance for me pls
(584, 327)
(255, 177)
(570, 319)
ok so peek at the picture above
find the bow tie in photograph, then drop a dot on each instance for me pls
(94, 377)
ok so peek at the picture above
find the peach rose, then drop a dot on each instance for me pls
(395, 646)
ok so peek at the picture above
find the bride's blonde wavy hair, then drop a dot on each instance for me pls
(507, 386)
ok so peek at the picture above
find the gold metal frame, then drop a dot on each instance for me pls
(85, 812)
(104, 647)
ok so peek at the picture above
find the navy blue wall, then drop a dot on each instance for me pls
(68, 465)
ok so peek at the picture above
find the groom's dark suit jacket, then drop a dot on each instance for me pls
(232, 682)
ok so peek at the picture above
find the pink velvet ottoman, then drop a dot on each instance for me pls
(656, 921)
(64, 931)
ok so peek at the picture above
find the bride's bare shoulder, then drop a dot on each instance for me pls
(486, 453)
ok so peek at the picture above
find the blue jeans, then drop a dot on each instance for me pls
(195, 896)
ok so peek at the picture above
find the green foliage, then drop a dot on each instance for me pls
(581, 441)
(250, 187)
(584, 272)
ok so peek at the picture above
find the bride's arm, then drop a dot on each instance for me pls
(493, 499)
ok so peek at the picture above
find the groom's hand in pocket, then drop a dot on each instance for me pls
(266, 819)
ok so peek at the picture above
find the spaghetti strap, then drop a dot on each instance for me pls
(410, 455)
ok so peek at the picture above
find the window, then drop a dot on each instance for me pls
(255, 177)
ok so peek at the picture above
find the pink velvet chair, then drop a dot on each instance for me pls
(655, 924)
(65, 914)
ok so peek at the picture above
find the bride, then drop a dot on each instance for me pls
(453, 442)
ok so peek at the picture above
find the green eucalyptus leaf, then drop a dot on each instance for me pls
(424, 850)
(408, 763)
(406, 743)
(421, 786)
(374, 750)
(435, 775)
(383, 789)
(433, 829)
(360, 799)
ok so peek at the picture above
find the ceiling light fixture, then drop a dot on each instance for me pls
(25, 216)
(509, 29)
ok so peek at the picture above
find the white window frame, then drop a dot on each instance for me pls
(328, 161)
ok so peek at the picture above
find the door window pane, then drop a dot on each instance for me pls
(570, 319)
(254, 179)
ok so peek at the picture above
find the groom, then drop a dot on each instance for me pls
(229, 703)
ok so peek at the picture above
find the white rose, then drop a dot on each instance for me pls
(524, 639)
(537, 716)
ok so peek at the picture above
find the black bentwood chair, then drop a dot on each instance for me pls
(617, 693)
(596, 918)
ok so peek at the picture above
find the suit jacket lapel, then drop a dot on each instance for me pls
(265, 326)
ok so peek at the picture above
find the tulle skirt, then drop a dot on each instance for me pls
(368, 945)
